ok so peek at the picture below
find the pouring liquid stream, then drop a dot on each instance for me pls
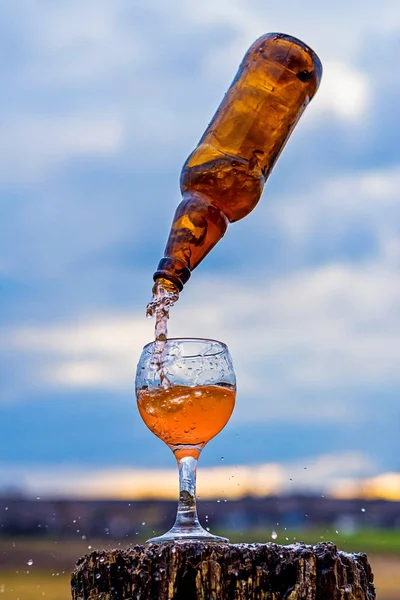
(164, 297)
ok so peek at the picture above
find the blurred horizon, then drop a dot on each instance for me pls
(226, 482)
(104, 103)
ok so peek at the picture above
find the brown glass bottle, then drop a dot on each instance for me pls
(222, 180)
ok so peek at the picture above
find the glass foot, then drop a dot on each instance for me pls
(195, 534)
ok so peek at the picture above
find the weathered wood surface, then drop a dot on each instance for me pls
(199, 571)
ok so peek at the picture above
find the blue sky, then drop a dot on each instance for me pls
(102, 102)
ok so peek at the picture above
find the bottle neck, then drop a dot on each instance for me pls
(171, 271)
(197, 226)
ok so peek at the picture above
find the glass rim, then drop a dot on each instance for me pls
(224, 347)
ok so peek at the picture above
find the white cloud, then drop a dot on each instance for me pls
(112, 58)
(297, 340)
(332, 30)
(344, 91)
(74, 43)
(98, 353)
(366, 200)
(33, 146)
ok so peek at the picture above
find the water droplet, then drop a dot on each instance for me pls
(6, 508)
(144, 523)
(89, 547)
(287, 539)
(363, 510)
(98, 575)
(222, 458)
(274, 535)
(102, 559)
(30, 562)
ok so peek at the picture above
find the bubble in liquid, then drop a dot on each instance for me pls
(29, 562)
(274, 535)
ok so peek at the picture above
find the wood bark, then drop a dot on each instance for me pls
(204, 571)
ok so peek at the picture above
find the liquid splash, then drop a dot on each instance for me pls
(165, 294)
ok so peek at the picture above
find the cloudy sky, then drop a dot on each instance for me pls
(102, 102)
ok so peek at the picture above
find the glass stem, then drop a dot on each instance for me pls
(186, 517)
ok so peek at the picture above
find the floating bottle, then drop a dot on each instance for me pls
(223, 179)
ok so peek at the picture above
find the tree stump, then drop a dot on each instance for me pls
(210, 571)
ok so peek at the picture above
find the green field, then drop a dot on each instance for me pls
(53, 560)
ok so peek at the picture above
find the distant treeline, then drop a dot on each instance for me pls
(118, 519)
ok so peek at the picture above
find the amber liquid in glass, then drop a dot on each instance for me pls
(183, 415)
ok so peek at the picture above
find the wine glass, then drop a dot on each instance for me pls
(186, 399)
